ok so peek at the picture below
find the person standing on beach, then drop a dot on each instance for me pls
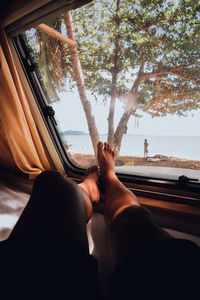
(145, 148)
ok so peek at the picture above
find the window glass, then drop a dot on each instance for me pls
(129, 76)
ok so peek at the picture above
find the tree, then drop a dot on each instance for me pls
(144, 53)
(78, 76)
(56, 62)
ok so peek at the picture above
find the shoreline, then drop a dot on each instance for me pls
(86, 160)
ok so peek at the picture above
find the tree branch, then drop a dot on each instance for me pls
(139, 78)
(110, 10)
(185, 66)
(149, 24)
(154, 75)
(52, 32)
(141, 69)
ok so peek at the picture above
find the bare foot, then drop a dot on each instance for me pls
(106, 160)
(90, 189)
(117, 196)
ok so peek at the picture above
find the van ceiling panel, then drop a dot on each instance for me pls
(14, 10)
(30, 16)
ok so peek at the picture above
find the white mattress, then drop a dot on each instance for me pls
(12, 203)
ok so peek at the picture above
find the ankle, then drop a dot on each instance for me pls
(108, 178)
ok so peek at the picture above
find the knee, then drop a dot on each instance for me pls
(55, 194)
(45, 175)
(54, 184)
(48, 179)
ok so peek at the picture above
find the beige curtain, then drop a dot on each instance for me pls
(7, 162)
(22, 143)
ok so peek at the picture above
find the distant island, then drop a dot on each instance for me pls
(73, 132)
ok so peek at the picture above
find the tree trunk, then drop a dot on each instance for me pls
(110, 139)
(114, 79)
(130, 106)
(80, 82)
(122, 125)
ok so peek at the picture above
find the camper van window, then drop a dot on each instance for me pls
(128, 73)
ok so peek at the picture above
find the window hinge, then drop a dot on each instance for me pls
(49, 112)
(184, 179)
(30, 65)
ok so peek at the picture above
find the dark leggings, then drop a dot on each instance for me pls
(55, 210)
(134, 228)
(150, 263)
(48, 250)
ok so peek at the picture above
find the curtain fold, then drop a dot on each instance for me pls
(7, 162)
(16, 118)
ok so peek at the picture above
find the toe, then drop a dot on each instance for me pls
(109, 148)
(99, 146)
(90, 170)
(106, 147)
(94, 169)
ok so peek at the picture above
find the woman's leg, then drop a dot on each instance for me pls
(131, 226)
(47, 252)
(59, 208)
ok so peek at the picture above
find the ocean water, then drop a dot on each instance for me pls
(187, 147)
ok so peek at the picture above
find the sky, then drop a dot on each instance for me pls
(70, 116)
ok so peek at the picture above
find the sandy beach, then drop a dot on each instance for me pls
(86, 160)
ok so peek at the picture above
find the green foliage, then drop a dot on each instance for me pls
(50, 54)
(123, 42)
(163, 35)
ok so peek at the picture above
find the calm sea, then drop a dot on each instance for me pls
(178, 146)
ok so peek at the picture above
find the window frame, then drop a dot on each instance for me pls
(41, 101)
(168, 189)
